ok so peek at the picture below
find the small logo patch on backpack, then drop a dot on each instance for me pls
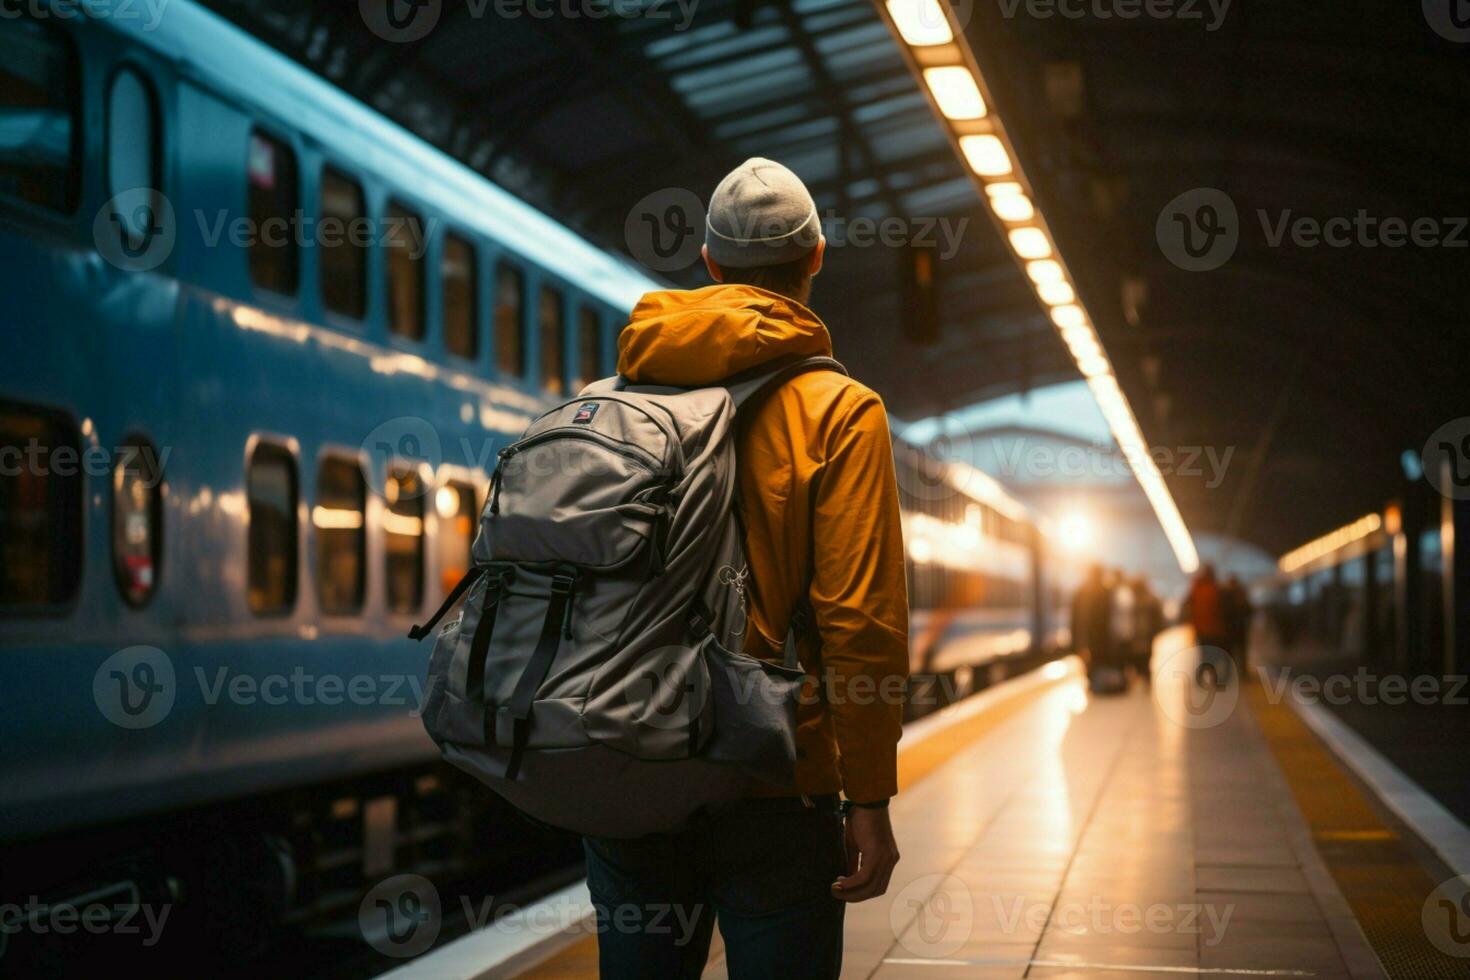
(585, 412)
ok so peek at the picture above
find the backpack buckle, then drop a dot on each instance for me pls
(564, 582)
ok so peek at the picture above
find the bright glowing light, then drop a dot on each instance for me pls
(986, 155)
(446, 502)
(1083, 347)
(1030, 243)
(1329, 543)
(1016, 207)
(1044, 271)
(1068, 315)
(1075, 532)
(1055, 293)
(1393, 519)
(336, 518)
(920, 550)
(920, 22)
(955, 91)
(402, 524)
(1054, 671)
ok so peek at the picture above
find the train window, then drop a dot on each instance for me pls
(133, 160)
(510, 328)
(39, 115)
(403, 533)
(341, 536)
(137, 521)
(271, 496)
(40, 509)
(553, 341)
(457, 271)
(343, 245)
(132, 134)
(405, 243)
(454, 502)
(589, 348)
(274, 199)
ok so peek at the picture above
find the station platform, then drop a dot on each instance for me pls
(1169, 831)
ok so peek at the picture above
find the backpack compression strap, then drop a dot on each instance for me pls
(419, 632)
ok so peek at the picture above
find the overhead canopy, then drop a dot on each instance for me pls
(1328, 360)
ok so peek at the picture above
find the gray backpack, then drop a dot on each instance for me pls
(594, 677)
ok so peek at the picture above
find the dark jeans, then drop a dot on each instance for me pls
(764, 868)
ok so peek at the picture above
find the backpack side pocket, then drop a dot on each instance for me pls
(754, 705)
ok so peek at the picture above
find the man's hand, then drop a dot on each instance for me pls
(871, 855)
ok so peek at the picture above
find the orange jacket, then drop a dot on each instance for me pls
(1206, 614)
(819, 504)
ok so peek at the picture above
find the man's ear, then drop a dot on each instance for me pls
(714, 269)
(816, 258)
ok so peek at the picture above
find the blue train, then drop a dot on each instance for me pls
(264, 345)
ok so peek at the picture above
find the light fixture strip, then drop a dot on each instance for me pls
(991, 159)
(1328, 543)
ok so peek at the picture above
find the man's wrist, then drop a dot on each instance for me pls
(849, 805)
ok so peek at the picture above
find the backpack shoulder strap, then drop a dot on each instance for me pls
(747, 391)
(750, 387)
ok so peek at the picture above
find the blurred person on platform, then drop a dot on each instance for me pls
(1123, 625)
(1204, 610)
(1092, 614)
(1148, 621)
(1237, 610)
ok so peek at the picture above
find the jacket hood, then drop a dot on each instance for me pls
(697, 337)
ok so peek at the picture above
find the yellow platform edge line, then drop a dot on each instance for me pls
(1380, 879)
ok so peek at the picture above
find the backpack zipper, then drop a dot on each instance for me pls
(667, 429)
(642, 457)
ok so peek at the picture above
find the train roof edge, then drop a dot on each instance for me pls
(306, 102)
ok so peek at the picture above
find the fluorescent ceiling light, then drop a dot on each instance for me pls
(1055, 293)
(1013, 207)
(1068, 315)
(1044, 271)
(957, 94)
(986, 155)
(955, 91)
(1030, 243)
(920, 22)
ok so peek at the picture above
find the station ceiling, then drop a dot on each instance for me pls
(1315, 365)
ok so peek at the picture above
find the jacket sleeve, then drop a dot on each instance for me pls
(860, 596)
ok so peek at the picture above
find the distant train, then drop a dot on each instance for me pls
(239, 457)
(1379, 590)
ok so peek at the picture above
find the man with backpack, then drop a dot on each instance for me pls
(818, 505)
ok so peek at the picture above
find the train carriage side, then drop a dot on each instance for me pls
(322, 417)
(292, 435)
(979, 577)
